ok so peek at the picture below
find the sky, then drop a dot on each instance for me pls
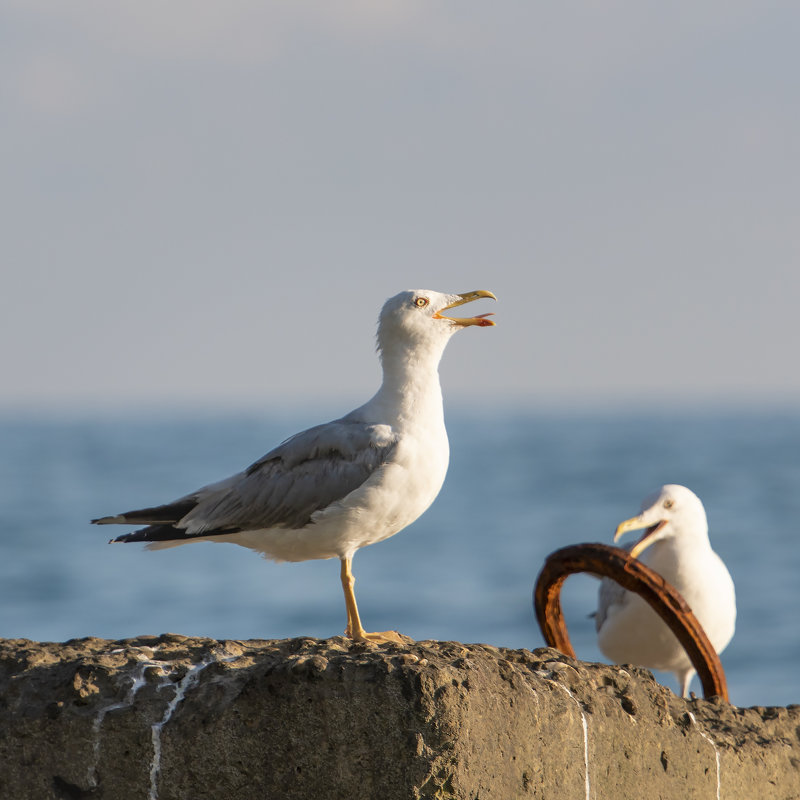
(206, 204)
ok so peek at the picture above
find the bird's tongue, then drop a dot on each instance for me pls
(651, 530)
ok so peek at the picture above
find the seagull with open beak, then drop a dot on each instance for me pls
(330, 490)
(675, 544)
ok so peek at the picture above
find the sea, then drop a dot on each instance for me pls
(521, 484)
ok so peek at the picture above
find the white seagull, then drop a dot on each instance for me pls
(675, 544)
(336, 487)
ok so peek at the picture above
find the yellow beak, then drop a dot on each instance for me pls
(635, 524)
(468, 297)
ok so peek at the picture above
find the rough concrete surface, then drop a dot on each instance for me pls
(171, 717)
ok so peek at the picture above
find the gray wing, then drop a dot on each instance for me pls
(306, 473)
(610, 593)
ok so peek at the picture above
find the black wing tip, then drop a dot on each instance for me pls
(153, 533)
(126, 537)
(168, 533)
(157, 515)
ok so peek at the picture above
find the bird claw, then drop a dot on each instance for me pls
(381, 637)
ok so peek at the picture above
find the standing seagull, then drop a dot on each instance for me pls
(334, 488)
(677, 547)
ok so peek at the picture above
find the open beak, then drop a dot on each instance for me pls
(468, 297)
(635, 524)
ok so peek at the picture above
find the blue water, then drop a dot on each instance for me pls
(519, 487)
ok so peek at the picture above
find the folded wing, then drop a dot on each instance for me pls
(305, 474)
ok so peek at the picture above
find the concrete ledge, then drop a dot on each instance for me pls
(171, 717)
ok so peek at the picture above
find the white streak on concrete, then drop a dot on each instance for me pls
(712, 743)
(137, 681)
(183, 686)
(146, 660)
(587, 785)
(185, 683)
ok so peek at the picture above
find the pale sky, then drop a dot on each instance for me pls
(207, 203)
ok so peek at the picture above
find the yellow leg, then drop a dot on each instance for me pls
(355, 630)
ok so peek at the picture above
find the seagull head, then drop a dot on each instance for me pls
(674, 512)
(418, 317)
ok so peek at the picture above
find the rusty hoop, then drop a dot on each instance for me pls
(604, 561)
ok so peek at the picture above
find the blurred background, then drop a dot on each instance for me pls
(206, 205)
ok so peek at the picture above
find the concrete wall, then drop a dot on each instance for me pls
(170, 717)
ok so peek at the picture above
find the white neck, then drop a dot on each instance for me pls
(410, 390)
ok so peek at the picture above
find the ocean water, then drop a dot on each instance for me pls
(520, 485)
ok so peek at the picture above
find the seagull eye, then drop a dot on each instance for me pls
(669, 503)
(421, 302)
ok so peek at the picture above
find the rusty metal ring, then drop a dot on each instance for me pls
(602, 560)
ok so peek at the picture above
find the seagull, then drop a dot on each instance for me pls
(334, 488)
(675, 544)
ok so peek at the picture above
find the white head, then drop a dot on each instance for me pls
(414, 319)
(672, 512)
